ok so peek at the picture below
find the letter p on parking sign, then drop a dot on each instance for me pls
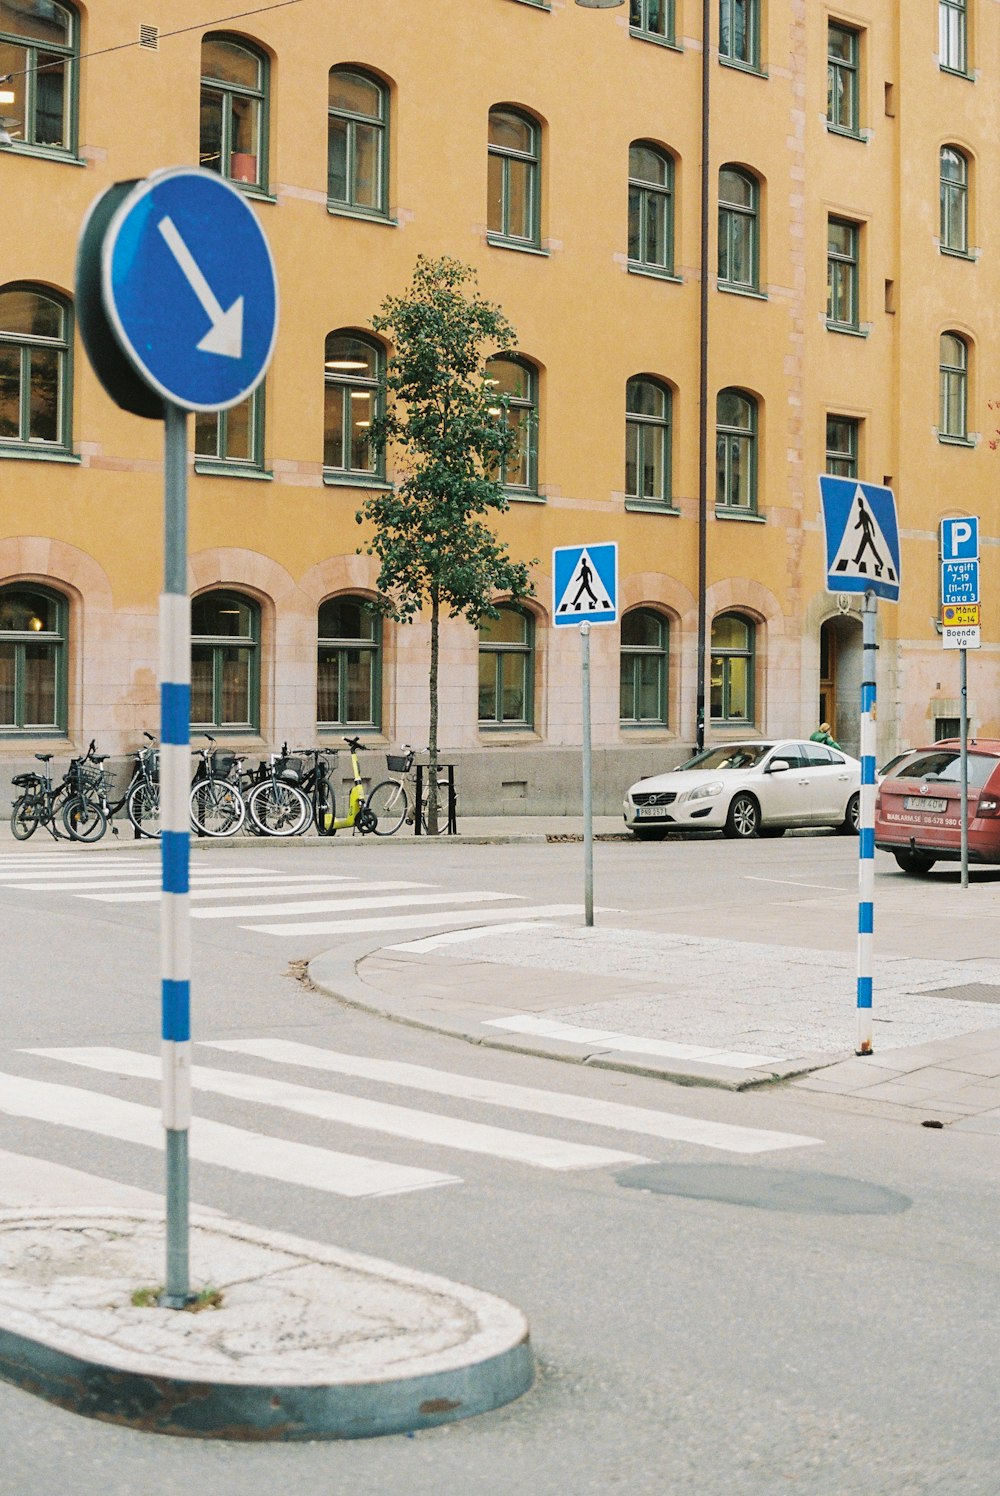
(960, 539)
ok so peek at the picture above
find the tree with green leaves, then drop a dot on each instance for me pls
(447, 425)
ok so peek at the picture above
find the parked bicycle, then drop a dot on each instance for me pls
(276, 805)
(140, 798)
(43, 804)
(317, 787)
(217, 806)
(390, 800)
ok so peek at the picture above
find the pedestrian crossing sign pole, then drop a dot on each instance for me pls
(585, 591)
(862, 555)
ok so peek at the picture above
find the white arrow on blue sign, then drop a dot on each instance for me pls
(585, 584)
(862, 537)
(189, 286)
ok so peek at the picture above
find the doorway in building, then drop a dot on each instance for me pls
(840, 679)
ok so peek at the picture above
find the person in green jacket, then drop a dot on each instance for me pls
(823, 735)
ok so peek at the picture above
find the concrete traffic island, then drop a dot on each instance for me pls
(307, 1342)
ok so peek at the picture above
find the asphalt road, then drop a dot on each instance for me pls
(817, 1318)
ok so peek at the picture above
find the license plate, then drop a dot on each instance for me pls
(924, 802)
(651, 813)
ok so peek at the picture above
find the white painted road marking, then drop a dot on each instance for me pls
(411, 921)
(618, 1115)
(222, 891)
(30, 1183)
(213, 1142)
(357, 1111)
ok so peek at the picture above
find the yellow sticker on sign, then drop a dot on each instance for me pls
(960, 615)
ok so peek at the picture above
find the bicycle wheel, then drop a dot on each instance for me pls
(217, 808)
(442, 808)
(279, 809)
(143, 808)
(84, 819)
(24, 817)
(388, 804)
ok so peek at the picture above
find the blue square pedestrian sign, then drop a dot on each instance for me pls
(585, 584)
(862, 537)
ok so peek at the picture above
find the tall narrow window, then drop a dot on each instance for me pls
(39, 48)
(953, 39)
(842, 58)
(234, 111)
(506, 669)
(350, 636)
(353, 370)
(643, 694)
(954, 421)
(647, 443)
(358, 143)
(842, 274)
(739, 31)
(652, 18)
(736, 452)
(32, 660)
(650, 207)
(514, 177)
(34, 371)
(225, 668)
(233, 438)
(954, 200)
(738, 230)
(842, 446)
(517, 380)
(732, 667)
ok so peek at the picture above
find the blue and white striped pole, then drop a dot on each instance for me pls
(866, 827)
(175, 914)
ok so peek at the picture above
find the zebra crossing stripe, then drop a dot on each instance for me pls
(214, 1142)
(728, 1137)
(358, 1111)
(411, 921)
(29, 1183)
(221, 892)
(339, 905)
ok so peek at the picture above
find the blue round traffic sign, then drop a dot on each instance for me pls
(189, 288)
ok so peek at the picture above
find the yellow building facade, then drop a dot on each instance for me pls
(847, 325)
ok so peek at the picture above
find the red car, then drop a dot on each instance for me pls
(918, 807)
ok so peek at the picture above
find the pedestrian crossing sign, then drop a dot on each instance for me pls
(862, 537)
(585, 584)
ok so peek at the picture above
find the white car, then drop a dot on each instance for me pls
(749, 789)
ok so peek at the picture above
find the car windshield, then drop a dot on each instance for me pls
(736, 756)
(944, 766)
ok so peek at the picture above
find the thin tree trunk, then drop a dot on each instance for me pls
(432, 744)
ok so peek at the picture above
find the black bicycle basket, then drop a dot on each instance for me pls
(399, 763)
(289, 769)
(222, 763)
(25, 781)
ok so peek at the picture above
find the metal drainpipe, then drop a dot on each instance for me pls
(703, 379)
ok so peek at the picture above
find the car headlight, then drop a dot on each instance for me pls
(705, 791)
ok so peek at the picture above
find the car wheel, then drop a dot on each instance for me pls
(852, 816)
(914, 862)
(769, 833)
(743, 820)
(649, 833)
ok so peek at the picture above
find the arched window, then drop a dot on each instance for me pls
(517, 380)
(358, 142)
(234, 80)
(733, 640)
(34, 369)
(739, 241)
(33, 624)
(225, 663)
(506, 669)
(348, 677)
(954, 200)
(954, 373)
(38, 48)
(514, 177)
(647, 443)
(650, 207)
(354, 367)
(736, 452)
(644, 669)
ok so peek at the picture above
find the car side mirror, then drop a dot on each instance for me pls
(778, 766)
